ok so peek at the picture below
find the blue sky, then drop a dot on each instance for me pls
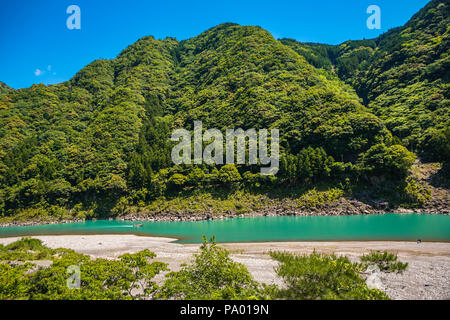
(37, 46)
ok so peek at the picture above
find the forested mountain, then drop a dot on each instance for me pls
(104, 135)
(234, 76)
(402, 76)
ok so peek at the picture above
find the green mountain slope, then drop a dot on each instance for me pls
(233, 76)
(99, 143)
(4, 88)
(402, 76)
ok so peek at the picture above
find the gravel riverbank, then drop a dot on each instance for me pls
(427, 276)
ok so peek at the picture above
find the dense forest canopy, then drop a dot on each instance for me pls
(344, 112)
(402, 76)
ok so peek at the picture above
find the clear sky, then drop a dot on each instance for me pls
(37, 47)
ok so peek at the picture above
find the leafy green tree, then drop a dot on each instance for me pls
(196, 176)
(392, 162)
(138, 174)
(177, 180)
(25, 249)
(104, 134)
(229, 174)
(129, 277)
(435, 145)
(402, 76)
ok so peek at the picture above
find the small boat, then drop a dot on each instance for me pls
(138, 225)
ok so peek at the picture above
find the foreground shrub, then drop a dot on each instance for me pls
(129, 277)
(317, 276)
(212, 275)
(13, 281)
(385, 261)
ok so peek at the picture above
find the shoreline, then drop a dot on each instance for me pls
(437, 247)
(179, 217)
(175, 240)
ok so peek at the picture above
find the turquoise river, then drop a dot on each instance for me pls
(258, 229)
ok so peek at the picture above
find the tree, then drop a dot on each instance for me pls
(178, 180)
(196, 176)
(385, 261)
(434, 145)
(380, 160)
(13, 281)
(229, 174)
(309, 165)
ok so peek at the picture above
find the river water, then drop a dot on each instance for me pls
(257, 229)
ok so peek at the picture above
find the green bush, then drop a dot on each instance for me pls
(416, 192)
(128, 277)
(320, 276)
(14, 281)
(212, 275)
(315, 199)
(385, 261)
